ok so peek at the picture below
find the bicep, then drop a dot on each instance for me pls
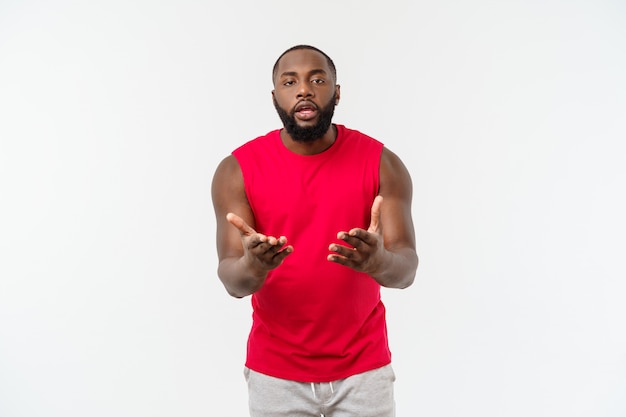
(229, 196)
(396, 187)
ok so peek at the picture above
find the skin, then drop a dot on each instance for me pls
(386, 253)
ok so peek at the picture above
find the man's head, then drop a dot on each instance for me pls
(305, 92)
(331, 64)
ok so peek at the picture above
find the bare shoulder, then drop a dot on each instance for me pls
(228, 167)
(394, 175)
(227, 175)
(227, 187)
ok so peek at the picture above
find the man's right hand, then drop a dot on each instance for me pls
(263, 253)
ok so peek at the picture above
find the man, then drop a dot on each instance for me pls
(312, 220)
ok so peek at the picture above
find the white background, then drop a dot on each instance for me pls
(510, 116)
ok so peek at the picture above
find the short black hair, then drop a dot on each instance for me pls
(330, 62)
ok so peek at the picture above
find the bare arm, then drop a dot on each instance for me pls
(386, 250)
(245, 256)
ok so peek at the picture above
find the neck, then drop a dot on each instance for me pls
(312, 147)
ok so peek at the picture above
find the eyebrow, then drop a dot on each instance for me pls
(293, 73)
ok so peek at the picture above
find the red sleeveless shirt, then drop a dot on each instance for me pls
(314, 320)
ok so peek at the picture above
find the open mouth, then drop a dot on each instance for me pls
(305, 111)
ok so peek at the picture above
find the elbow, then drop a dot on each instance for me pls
(407, 281)
(410, 276)
(400, 272)
(233, 284)
(233, 293)
(237, 282)
(239, 288)
(237, 291)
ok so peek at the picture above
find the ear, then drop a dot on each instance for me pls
(337, 94)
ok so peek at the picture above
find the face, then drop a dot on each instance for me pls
(305, 94)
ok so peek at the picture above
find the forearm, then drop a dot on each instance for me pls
(239, 278)
(397, 269)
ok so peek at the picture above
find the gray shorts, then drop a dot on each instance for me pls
(369, 394)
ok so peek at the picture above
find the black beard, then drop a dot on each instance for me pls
(311, 133)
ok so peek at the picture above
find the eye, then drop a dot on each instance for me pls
(317, 81)
(289, 82)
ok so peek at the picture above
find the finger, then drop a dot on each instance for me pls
(358, 238)
(342, 260)
(343, 251)
(274, 245)
(283, 253)
(277, 243)
(375, 215)
(272, 256)
(267, 244)
(240, 224)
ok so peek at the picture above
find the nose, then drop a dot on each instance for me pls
(305, 90)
